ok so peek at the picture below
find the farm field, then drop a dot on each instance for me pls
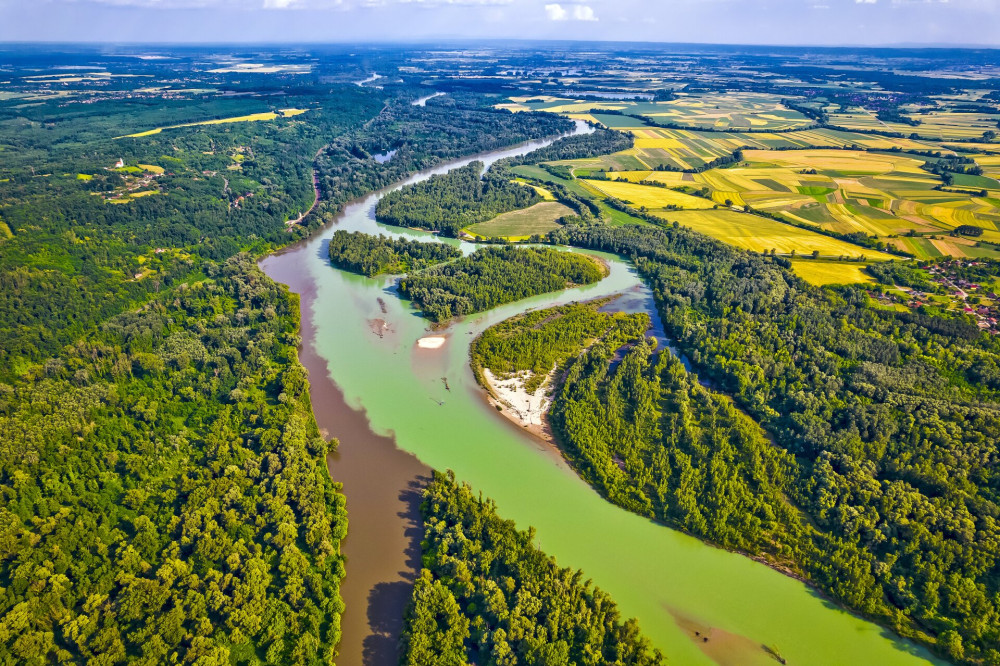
(882, 194)
(729, 111)
(938, 125)
(520, 224)
(692, 149)
(253, 117)
(760, 234)
(647, 196)
(831, 272)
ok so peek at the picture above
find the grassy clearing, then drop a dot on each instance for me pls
(521, 224)
(831, 272)
(253, 117)
(151, 168)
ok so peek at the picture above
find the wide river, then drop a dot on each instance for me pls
(400, 410)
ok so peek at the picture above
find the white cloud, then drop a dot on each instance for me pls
(865, 2)
(279, 4)
(556, 12)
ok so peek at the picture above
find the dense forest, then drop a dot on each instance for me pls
(487, 595)
(492, 276)
(74, 259)
(372, 255)
(536, 341)
(884, 432)
(165, 490)
(452, 201)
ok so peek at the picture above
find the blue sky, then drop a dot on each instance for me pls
(826, 22)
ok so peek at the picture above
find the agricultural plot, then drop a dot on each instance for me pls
(520, 224)
(937, 125)
(648, 196)
(821, 273)
(760, 234)
(729, 111)
(886, 195)
(691, 149)
(932, 247)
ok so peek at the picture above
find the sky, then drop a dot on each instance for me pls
(794, 22)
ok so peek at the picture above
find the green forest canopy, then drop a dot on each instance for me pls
(486, 594)
(492, 276)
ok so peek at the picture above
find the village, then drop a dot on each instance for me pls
(964, 286)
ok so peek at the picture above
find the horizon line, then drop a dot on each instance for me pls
(424, 41)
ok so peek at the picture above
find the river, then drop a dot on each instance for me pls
(387, 401)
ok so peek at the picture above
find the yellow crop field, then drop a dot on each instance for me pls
(851, 161)
(131, 196)
(151, 168)
(831, 272)
(253, 117)
(761, 234)
(649, 196)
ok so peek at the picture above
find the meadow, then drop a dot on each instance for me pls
(522, 224)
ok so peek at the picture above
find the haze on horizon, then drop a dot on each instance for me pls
(779, 22)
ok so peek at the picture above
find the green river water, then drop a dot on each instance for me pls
(674, 584)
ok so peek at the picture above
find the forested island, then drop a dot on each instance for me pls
(450, 202)
(486, 594)
(533, 343)
(370, 255)
(492, 276)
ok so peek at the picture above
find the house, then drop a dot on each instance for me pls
(120, 163)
